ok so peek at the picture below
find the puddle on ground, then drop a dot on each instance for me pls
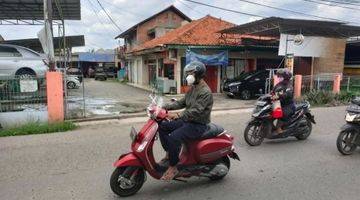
(100, 107)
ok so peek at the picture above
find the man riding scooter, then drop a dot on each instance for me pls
(189, 124)
(284, 92)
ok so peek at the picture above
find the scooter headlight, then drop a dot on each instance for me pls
(142, 146)
(350, 117)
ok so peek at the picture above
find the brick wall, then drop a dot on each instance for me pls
(166, 19)
(332, 59)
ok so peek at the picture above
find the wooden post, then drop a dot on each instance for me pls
(55, 96)
(336, 88)
(297, 86)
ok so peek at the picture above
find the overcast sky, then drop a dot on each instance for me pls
(100, 32)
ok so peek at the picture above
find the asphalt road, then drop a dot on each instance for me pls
(78, 164)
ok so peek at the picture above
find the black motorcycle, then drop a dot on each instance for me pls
(349, 138)
(263, 124)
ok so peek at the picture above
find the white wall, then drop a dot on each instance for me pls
(13, 119)
(311, 47)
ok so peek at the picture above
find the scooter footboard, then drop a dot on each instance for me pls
(128, 159)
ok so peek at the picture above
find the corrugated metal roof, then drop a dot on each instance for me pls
(274, 26)
(34, 43)
(33, 10)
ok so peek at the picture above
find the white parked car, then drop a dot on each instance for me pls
(20, 61)
(72, 82)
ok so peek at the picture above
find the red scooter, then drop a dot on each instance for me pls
(206, 157)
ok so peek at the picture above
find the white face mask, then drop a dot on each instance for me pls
(190, 79)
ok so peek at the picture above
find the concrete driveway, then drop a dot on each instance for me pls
(78, 164)
(113, 98)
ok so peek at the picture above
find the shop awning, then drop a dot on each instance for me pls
(96, 57)
(221, 58)
(34, 10)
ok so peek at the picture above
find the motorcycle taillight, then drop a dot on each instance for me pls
(277, 113)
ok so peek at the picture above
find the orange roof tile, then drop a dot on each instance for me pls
(203, 31)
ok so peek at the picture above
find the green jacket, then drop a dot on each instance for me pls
(197, 102)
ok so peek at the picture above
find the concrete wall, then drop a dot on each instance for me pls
(332, 59)
(13, 119)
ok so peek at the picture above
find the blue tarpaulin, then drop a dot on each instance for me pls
(96, 57)
(221, 58)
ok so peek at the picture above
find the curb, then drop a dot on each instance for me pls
(142, 114)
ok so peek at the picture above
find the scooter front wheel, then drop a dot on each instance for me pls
(253, 135)
(126, 181)
(344, 142)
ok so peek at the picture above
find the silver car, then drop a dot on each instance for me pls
(20, 61)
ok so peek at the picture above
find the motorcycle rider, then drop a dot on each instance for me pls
(189, 124)
(284, 92)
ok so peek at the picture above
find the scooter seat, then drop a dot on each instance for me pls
(212, 130)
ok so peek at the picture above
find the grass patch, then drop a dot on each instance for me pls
(38, 128)
(328, 98)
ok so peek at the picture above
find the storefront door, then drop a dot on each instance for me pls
(212, 77)
(152, 75)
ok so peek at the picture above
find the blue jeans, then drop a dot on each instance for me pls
(173, 133)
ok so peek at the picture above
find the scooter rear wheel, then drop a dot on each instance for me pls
(307, 133)
(127, 184)
(225, 161)
(252, 134)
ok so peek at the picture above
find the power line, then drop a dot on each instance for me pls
(342, 2)
(93, 8)
(332, 5)
(225, 9)
(291, 11)
(191, 8)
(123, 10)
(94, 11)
(109, 16)
(77, 32)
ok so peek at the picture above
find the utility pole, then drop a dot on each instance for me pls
(48, 12)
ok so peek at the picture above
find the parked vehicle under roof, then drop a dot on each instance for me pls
(20, 61)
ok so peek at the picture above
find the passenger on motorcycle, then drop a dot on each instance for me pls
(189, 124)
(284, 92)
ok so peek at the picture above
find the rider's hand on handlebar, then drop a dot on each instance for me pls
(173, 116)
(274, 97)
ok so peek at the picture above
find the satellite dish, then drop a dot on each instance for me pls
(298, 39)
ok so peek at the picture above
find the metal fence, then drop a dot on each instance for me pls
(350, 84)
(318, 82)
(22, 93)
(74, 98)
